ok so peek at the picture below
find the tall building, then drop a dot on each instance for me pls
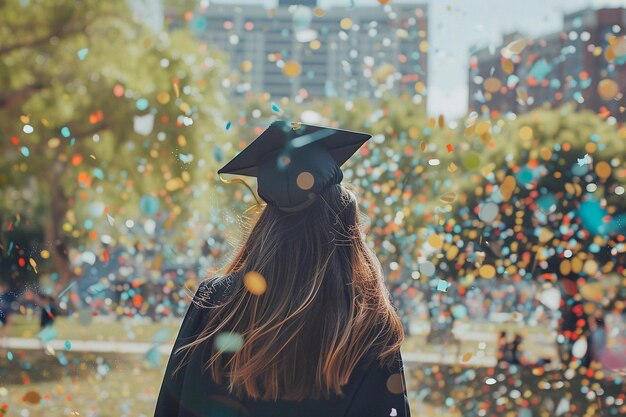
(585, 63)
(301, 51)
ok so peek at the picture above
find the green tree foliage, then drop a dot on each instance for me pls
(75, 79)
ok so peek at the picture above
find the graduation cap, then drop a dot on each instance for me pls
(294, 162)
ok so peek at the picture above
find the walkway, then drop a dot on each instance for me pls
(409, 358)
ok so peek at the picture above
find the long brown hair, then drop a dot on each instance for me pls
(324, 309)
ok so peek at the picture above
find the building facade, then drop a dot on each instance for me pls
(584, 63)
(299, 51)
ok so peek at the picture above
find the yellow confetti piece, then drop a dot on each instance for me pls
(255, 283)
(507, 66)
(608, 89)
(483, 127)
(467, 356)
(492, 85)
(448, 197)
(487, 271)
(514, 48)
(435, 241)
(163, 97)
(441, 121)
(431, 122)
(526, 132)
(292, 69)
(507, 187)
(469, 131)
(53, 143)
(176, 92)
(452, 167)
(246, 66)
(33, 264)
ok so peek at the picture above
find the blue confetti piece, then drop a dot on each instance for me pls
(10, 355)
(142, 104)
(186, 158)
(218, 154)
(82, 53)
(540, 69)
(443, 285)
(47, 334)
(228, 124)
(153, 357)
(275, 108)
(65, 132)
(10, 247)
(62, 359)
(68, 345)
(25, 151)
(161, 336)
(98, 173)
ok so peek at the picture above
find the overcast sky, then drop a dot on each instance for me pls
(456, 25)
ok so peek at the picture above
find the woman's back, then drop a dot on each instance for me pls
(372, 390)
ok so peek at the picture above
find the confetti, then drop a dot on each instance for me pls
(608, 89)
(228, 124)
(82, 53)
(292, 69)
(488, 212)
(228, 341)
(141, 104)
(442, 285)
(33, 264)
(275, 108)
(255, 283)
(32, 397)
(584, 160)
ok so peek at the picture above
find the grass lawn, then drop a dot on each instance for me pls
(90, 385)
(71, 329)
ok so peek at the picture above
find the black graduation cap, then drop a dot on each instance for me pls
(294, 162)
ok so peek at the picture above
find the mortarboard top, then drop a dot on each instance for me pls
(293, 162)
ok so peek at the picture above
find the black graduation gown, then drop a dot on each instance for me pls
(192, 393)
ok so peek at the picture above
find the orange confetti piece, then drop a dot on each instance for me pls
(32, 397)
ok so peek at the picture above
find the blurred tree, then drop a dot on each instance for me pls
(99, 118)
(545, 203)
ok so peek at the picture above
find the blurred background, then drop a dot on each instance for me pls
(494, 186)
